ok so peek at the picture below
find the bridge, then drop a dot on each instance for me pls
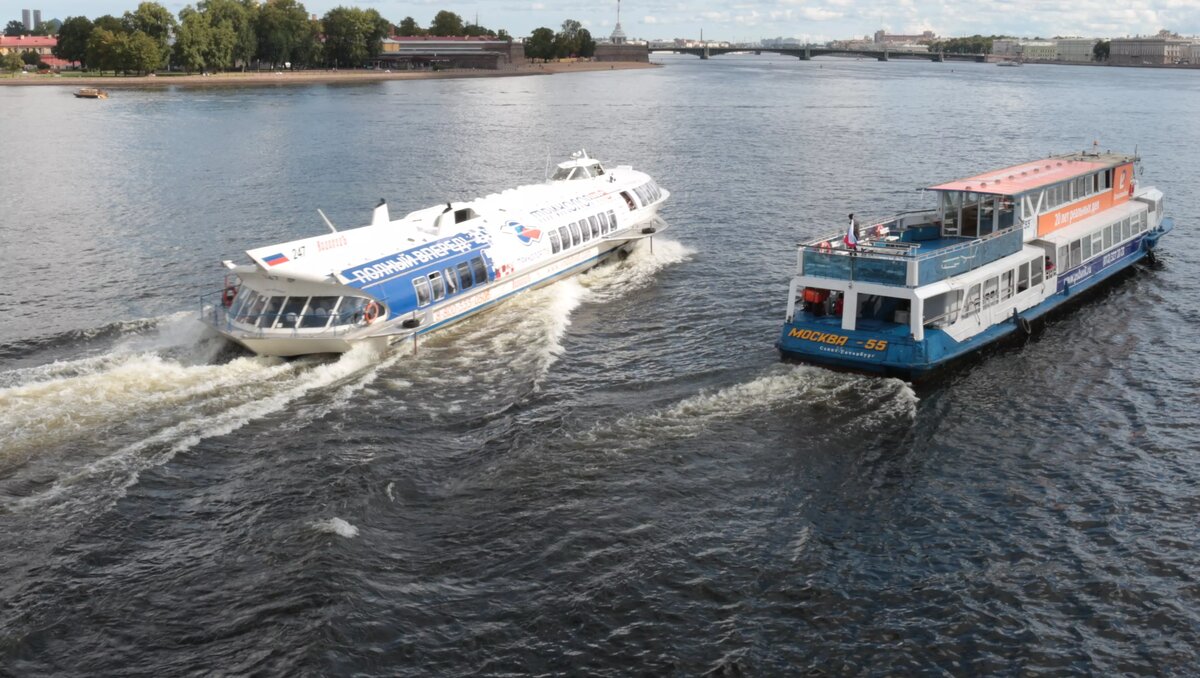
(807, 53)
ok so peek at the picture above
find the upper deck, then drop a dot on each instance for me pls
(906, 251)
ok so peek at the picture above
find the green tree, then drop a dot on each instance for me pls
(141, 53)
(109, 23)
(503, 35)
(1100, 50)
(282, 30)
(73, 39)
(193, 42)
(409, 28)
(30, 58)
(154, 21)
(14, 28)
(353, 35)
(231, 18)
(103, 50)
(540, 44)
(587, 46)
(445, 24)
(11, 62)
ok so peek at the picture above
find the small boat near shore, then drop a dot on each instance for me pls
(911, 294)
(90, 93)
(395, 279)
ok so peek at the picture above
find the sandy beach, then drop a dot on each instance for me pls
(313, 76)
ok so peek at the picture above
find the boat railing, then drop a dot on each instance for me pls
(215, 313)
(900, 263)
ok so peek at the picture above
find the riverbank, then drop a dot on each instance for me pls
(312, 77)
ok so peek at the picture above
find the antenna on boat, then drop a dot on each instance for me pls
(327, 221)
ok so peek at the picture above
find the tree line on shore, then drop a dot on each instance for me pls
(215, 35)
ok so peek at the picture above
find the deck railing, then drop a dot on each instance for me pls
(906, 265)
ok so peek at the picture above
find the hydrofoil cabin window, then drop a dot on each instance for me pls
(555, 243)
(594, 222)
(479, 269)
(451, 281)
(628, 200)
(267, 320)
(464, 214)
(612, 220)
(565, 235)
(351, 310)
(464, 274)
(422, 287)
(319, 310)
(576, 238)
(439, 288)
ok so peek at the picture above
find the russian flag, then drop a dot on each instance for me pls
(275, 259)
(851, 238)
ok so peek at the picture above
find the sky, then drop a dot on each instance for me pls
(739, 21)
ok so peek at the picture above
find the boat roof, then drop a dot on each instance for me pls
(1032, 175)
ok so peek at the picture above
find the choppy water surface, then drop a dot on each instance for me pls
(614, 474)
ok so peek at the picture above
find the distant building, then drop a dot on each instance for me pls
(43, 46)
(618, 35)
(1039, 50)
(37, 20)
(427, 52)
(884, 38)
(1194, 54)
(27, 19)
(1076, 50)
(1160, 49)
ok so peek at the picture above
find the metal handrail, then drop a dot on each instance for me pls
(971, 242)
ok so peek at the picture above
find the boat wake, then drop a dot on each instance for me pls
(843, 402)
(74, 433)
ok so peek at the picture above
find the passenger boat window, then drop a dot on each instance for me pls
(594, 222)
(422, 286)
(1006, 287)
(576, 238)
(1097, 242)
(989, 292)
(256, 310)
(1062, 260)
(480, 270)
(439, 288)
(319, 311)
(583, 229)
(582, 173)
(972, 305)
(1076, 250)
(267, 318)
(1086, 243)
(555, 243)
(464, 214)
(1107, 182)
(451, 281)
(612, 220)
(1035, 271)
(464, 273)
(1141, 221)
(1108, 241)
(1023, 278)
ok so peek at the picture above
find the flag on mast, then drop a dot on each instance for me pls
(851, 238)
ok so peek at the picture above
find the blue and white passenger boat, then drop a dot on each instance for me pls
(398, 278)
(915, 292)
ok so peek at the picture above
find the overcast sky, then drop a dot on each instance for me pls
(816, 20)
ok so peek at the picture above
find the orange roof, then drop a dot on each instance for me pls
(28, 41)
(1028, 176)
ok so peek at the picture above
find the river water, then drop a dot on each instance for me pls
(611, 475)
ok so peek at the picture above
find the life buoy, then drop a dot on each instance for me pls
(825, 246)
(228, 295)
(370, 313)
